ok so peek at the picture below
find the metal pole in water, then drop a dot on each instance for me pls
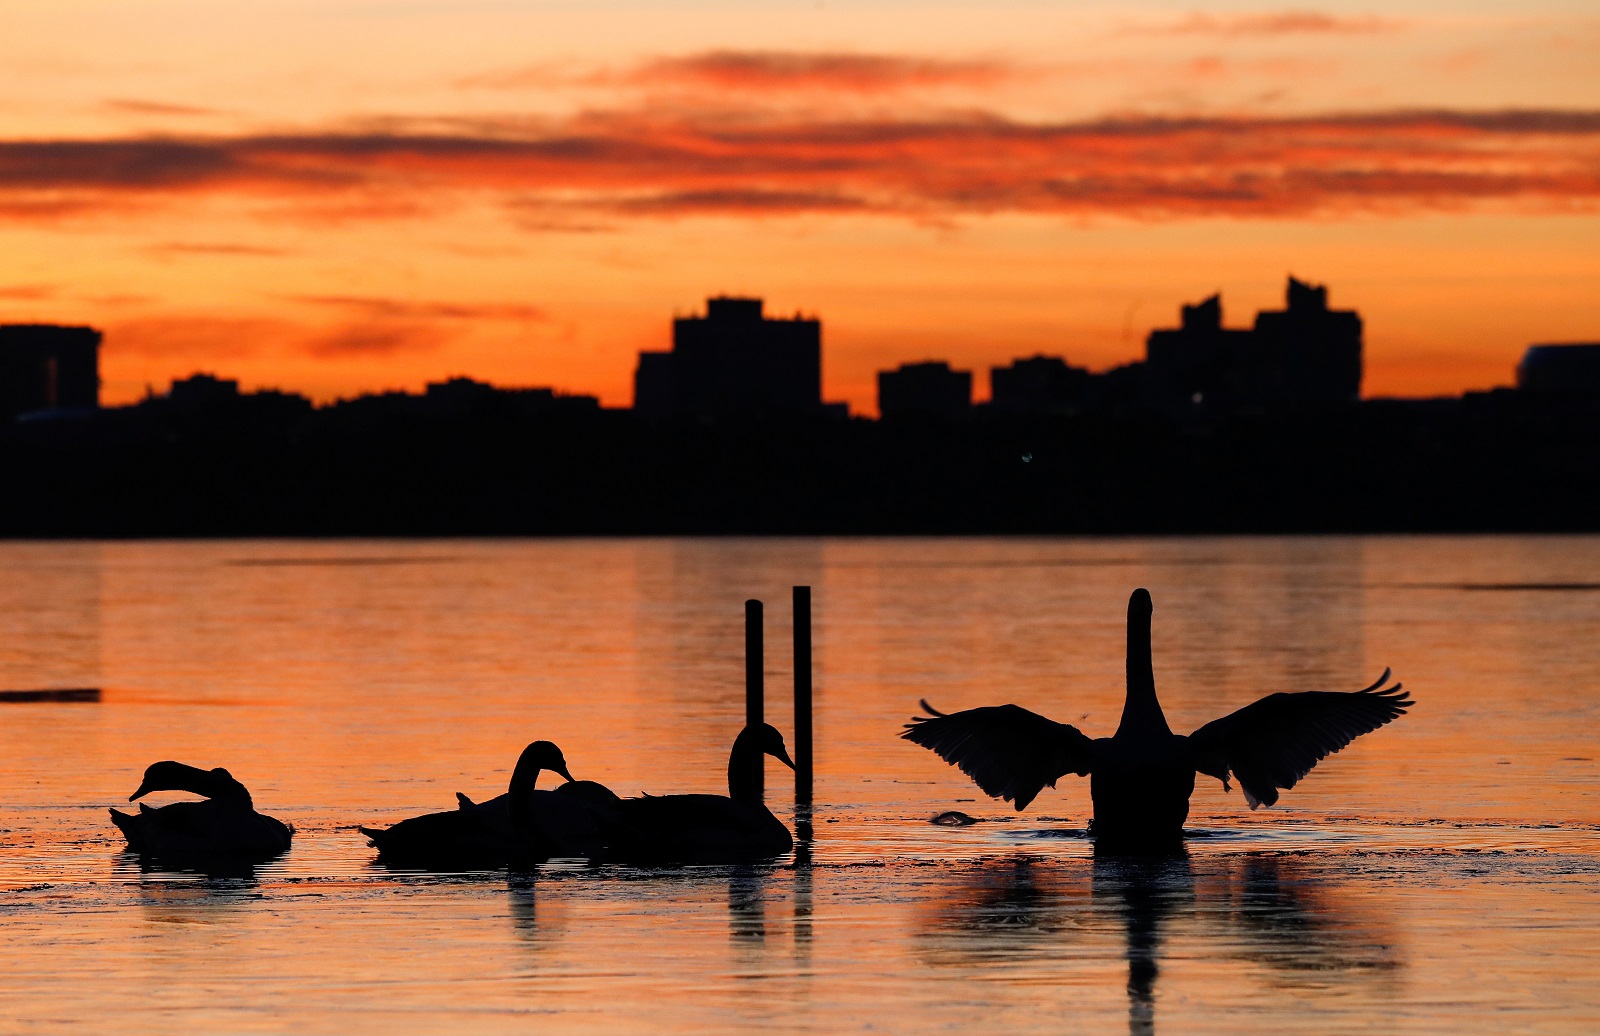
(802, 709)
(754, 667)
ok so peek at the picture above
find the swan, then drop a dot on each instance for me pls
(224, 826)
(1141, 777)
(504, 831)
(734, 828)
(574, 819)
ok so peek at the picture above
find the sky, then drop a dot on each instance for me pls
(342, 197)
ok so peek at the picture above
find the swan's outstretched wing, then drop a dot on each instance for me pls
(1010, 752)
(1274, 742)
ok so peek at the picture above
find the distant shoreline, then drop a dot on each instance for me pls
(1507, 463)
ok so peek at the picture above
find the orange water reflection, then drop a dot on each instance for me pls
(1438, 874)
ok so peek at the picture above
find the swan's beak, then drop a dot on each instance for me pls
(144, 789)
(562, 770)
(782, 755)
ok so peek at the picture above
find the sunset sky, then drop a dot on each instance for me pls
(337, 197)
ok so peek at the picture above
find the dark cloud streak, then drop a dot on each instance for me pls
(810, 71)
(413, 309)
(764, 71)
(690, 162)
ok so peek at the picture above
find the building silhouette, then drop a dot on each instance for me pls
(48, 367)
(924, 390)
(1303, 354)
(1313, 352)
(1215, 430)
(733, 361)
(201, 389)
(1560, 370)
(1039, 385)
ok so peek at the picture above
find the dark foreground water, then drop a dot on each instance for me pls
(1440, 875)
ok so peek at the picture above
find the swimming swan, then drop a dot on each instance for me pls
(225, 826)
(734, 828)
(1140, 778)
(573, 819)
(478, 836)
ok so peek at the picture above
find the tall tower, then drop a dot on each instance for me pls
(48, 367)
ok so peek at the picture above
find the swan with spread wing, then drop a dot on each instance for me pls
(1141, 777)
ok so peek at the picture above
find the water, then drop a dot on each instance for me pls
(1440, 875)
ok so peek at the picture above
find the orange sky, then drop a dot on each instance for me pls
(337, 197)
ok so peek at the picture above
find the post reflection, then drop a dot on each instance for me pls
(1293, 919)
(750, 888)
(803, 908)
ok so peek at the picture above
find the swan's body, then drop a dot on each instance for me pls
(224, 827)
(734, 828)
(503, 832)
(1141, 777)
(575, 819)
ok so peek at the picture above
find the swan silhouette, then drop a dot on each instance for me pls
(225, 826)
(1141, 777)
(512, 829)
(735, 828)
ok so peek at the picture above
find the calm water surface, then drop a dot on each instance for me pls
(1440, 875)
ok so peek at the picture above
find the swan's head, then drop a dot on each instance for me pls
(770, 742)
(1140, 606)
(543, 755)
(173, 776)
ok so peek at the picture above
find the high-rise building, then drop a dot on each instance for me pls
(48, 367)
(924, 390)
(1039, 385)
(1303, 354)
(735, 360)
(1317, 349)
(1571, 369)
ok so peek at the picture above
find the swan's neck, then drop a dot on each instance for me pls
(1141, 712)
(745, 765)
(519, 796)
(217, 785)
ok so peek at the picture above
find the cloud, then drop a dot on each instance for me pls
(665, 161)
(195, 337)
(29, 292)
(767, 71)
(1272, 23)
(378, 307)
(384, 326)
(811, 71)
(358, 340)
(24, 206)
(731, 201)
(202, 338)
(205, 248)
(134, 106)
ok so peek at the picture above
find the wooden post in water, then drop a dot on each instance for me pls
(802, 710)
(754, 686)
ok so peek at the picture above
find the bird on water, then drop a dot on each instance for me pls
(223, 827)
(524, 826)
(1141, 777)
(735, 828)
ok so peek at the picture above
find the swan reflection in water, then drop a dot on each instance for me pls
(537, 924)
(188, 896)
(1281, 914)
